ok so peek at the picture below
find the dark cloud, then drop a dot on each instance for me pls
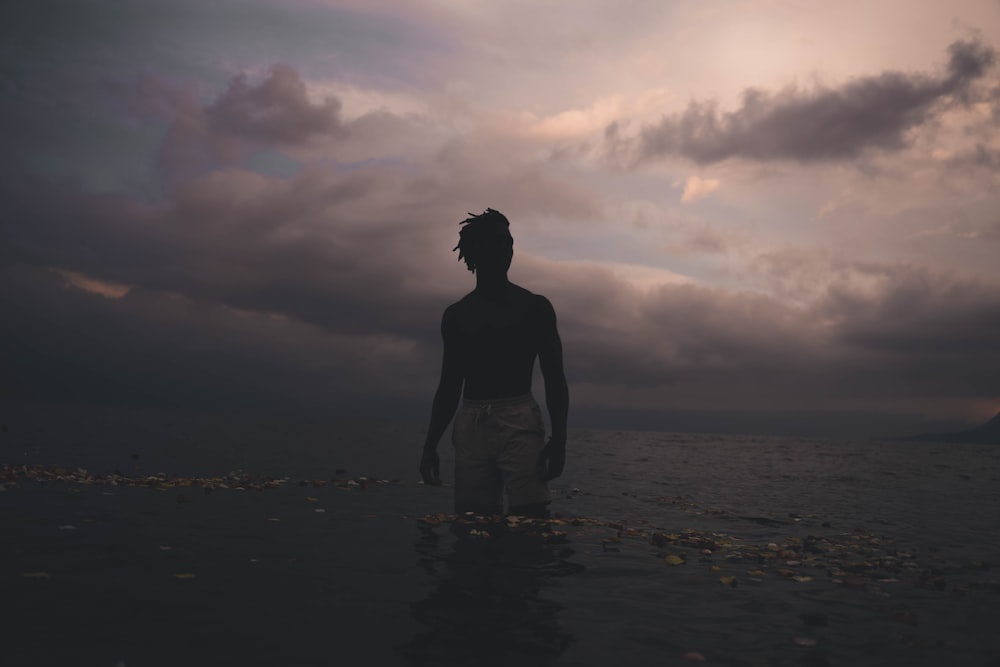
(274, 114)
(277, 111)
(154, 348)
(326, 288)
(249, 242)
(813, 125)
(230, 308)
(345, 248)
(919, 314)
(981, 156)
(875, 332)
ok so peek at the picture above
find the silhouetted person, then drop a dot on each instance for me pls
(491, 340)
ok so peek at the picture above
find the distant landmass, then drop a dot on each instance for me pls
(986, 434)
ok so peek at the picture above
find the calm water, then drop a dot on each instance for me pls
(946, 494)
(784, 552)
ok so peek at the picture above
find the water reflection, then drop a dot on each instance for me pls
(488, 605)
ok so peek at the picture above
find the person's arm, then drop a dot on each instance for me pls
(446, 399)
(550, 358)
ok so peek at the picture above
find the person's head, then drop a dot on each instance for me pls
(485, 243)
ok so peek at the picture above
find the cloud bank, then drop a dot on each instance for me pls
(821, 124)
(293, 248)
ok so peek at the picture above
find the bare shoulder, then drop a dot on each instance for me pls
(538, 305)
(460, 306)
(453, 315)
(521, 294)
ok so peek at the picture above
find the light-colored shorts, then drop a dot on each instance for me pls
(497, 446)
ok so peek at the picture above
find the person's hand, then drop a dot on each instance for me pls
(552, 459)
(430, 468)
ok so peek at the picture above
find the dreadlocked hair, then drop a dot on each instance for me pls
(479, 233)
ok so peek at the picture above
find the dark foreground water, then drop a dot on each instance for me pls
(668, 549)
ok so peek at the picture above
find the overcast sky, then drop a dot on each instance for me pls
(767, 208)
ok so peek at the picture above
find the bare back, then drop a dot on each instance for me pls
(496, 338)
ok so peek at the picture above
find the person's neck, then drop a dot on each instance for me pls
(491, 286)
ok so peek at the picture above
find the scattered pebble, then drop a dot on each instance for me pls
(12, 474)
(856, 560)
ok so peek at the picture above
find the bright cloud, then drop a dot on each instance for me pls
(698, 188)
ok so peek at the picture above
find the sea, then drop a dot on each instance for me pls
(145, 537)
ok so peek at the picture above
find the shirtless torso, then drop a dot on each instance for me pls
(496, 339)
(492, 337)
